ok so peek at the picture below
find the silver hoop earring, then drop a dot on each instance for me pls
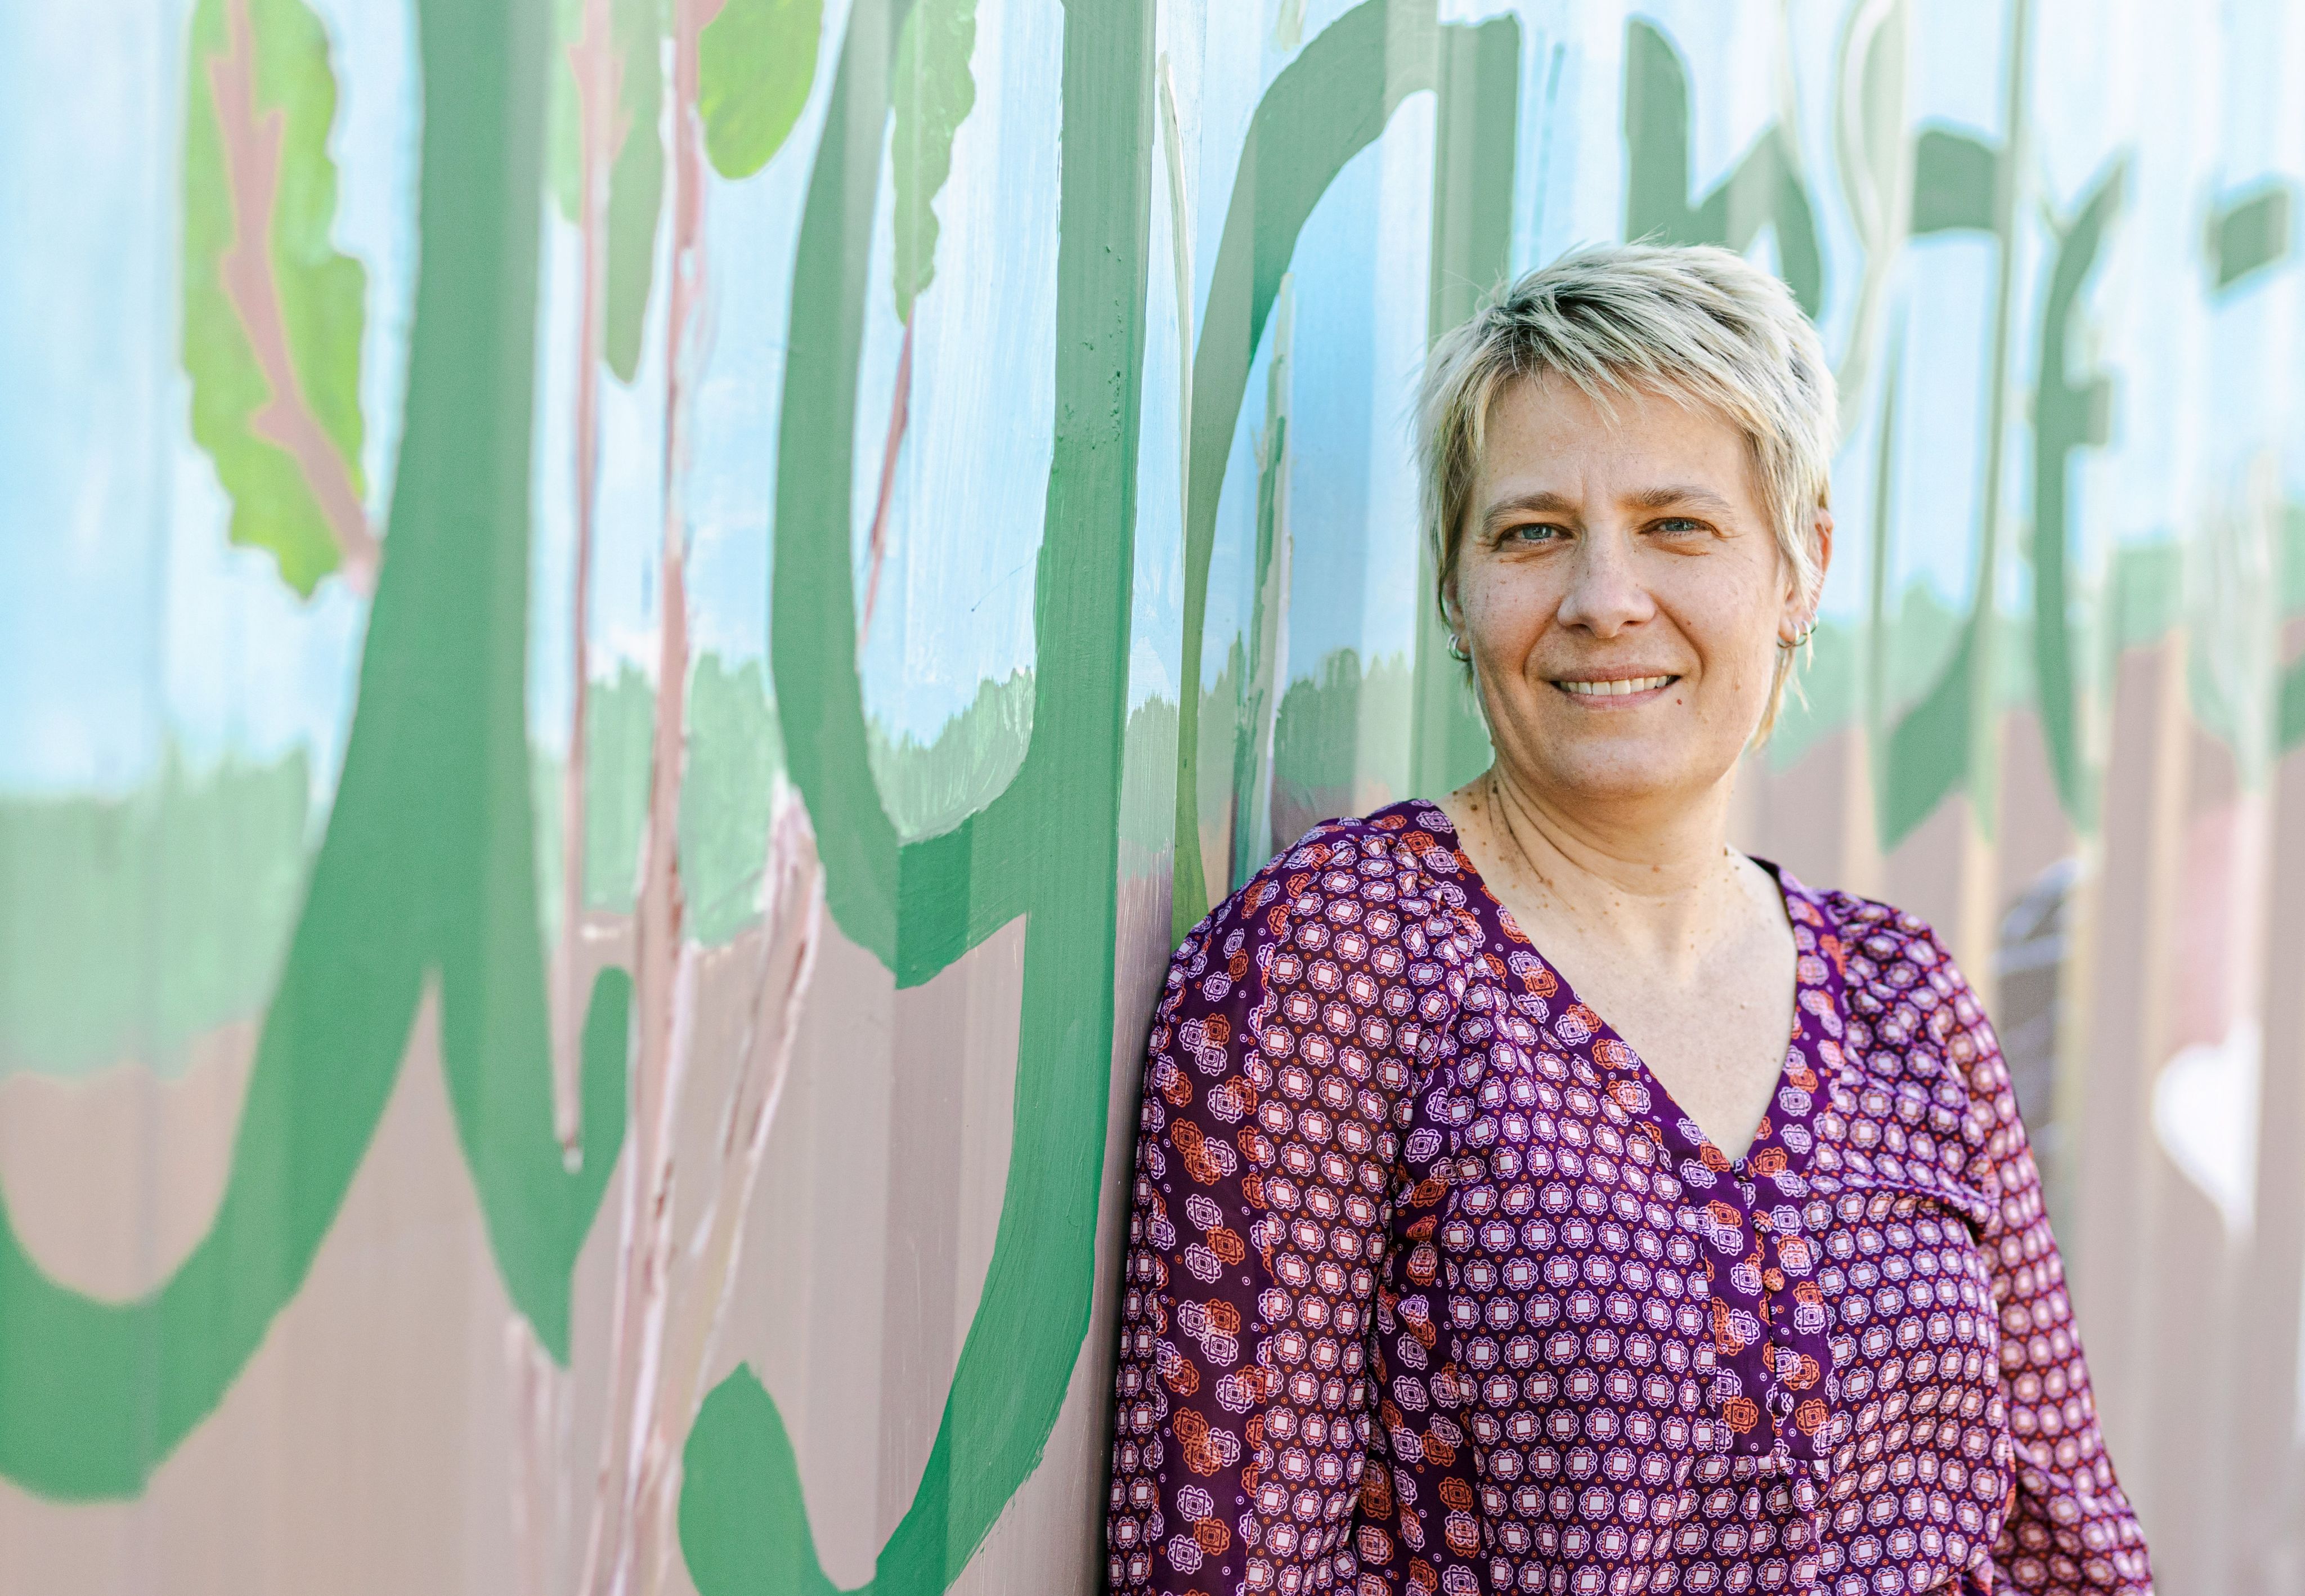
(1808, 632)
(1457, 651)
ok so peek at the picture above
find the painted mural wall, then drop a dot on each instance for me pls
(629, 627)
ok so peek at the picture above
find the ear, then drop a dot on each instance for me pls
(1802, 607)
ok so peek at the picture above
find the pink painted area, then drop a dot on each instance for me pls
(698, 1315)
(2219, 949)
(251, 141)
(899, 414)
(630, 1536)
(541, 1408)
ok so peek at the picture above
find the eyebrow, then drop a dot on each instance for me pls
(1681, 494)
(1545, 502)
(1542, 503)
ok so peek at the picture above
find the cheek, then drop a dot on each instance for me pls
(1734, 625)
(1500, 613)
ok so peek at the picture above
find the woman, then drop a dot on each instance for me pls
(1487, 1234)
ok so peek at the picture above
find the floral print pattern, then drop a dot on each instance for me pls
(1432, 1288)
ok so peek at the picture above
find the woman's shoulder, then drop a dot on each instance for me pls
(1903, 991)
(1406, 829)
(1393, 855)
(1870, 938)
(1914, 1024)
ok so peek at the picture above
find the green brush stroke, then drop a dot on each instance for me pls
(1253, 842)
(1220, 735)
(727, 791)
(1980, 759)
(1046, 848)
(1341, 726)
(1928, 746)
(130, 927)
(619, 728)
(2290, 729)
(2249, 234)
(932, 787)
(744, 1523)
(1765, 188)
(1146, 807)
(1922, 756)
(735, 752)
(636, 173)
(755, 63)
(2289, 714)
(2070, 414)
(1822, 698)
(1953, 180)
(1323, 108)
(323, 294)
(1876, 574)
(635, 183)
(1943, 742)
(1476, 134)
(933, 93)
(424, 874)
(619, 716)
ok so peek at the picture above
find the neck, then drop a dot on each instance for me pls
(1658, 888)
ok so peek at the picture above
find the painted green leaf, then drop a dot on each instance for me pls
(932, 92)
(632, 143)
(565, 154)
(635, 183)
(2248, 235)
(1954, 176)
(273, 314)
(755, 61)
(728, 795)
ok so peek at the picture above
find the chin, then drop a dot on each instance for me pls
(1618, 773)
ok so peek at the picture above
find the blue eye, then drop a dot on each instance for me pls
(1680, 523)
(1534, 531)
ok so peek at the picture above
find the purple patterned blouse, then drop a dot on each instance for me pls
(1431, 1287)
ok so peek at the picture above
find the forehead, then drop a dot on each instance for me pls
(1545, 433)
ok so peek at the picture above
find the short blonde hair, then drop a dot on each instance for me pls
(1689, 321)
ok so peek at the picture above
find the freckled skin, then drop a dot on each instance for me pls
(1627, 546)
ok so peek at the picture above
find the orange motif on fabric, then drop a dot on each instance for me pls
(1831, 947)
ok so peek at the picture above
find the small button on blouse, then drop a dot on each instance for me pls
(1431, 1286)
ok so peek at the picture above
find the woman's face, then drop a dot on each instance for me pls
(1622, 594)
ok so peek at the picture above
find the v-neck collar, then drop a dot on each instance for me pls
(1773, 1377)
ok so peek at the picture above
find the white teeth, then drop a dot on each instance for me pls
(1610, 689)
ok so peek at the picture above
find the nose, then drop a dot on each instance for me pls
(1605, 594)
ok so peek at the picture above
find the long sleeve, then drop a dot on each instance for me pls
(2069, 1527)
(1257, 1232)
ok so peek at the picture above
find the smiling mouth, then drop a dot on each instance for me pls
(1616, 687)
